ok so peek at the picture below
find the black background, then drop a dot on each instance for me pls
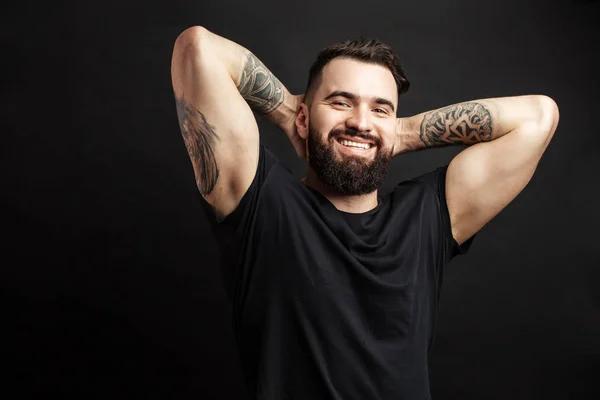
(109, 282)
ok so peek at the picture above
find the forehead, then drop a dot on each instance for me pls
(361, 78)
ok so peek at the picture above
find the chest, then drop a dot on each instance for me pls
(376, 279)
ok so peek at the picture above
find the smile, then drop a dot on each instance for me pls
(349, 143)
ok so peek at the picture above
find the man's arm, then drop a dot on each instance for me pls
(217, 83)
(506, 138)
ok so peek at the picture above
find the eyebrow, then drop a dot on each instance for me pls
(352, 96)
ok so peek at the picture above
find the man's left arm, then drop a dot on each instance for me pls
(506, 137)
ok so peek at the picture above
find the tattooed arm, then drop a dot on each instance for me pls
(217, 83)
(506, 138)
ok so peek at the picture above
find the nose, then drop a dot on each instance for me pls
(360, 119)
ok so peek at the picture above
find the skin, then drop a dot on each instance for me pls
(214, 78)
(505, 139)
(347, 98)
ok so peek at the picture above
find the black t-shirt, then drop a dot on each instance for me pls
(333, 305)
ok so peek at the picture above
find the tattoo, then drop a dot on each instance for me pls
(463, 123)
(259, 87)
(199, 137)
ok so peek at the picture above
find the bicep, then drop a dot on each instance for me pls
(484, 178)
(217, 125)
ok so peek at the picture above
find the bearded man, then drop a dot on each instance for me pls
(335, 286)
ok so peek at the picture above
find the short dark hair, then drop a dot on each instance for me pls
(370, 51)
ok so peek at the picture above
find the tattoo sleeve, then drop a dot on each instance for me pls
(464, 123)
(199, 137)
(259, 87)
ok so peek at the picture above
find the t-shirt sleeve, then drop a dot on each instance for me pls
(266, 160)
(230, 231)
(436, 180)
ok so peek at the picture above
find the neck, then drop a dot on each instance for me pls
(350, 204)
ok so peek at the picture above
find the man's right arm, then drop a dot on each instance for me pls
(217, 83)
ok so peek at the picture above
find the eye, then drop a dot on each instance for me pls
(340, 103)
(381, 111)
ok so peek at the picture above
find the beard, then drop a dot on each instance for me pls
(352, 175)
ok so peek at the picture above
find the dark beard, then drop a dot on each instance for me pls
(353, 175)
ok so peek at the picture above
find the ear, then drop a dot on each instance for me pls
(302, 121)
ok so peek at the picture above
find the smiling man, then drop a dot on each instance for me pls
(351, 128)
(335, 286)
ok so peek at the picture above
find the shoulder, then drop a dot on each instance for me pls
(274, 184)
(433, 179)
(272, 174)
(269, 173)
(431, 183)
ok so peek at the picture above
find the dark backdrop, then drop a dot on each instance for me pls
(109, 282)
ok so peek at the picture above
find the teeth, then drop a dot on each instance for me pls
(355, 144)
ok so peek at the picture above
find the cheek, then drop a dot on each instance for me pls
(319, 132)
(388, 134)
(316, 134)
(327, 121)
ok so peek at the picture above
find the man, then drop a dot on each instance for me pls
(334, 286)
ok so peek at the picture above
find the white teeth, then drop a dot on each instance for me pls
(355, 144)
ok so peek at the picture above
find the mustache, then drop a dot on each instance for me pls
(354, 133)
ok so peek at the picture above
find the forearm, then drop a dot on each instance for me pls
(472, 122)
(263, 92)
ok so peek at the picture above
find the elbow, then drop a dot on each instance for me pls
(188, 54)
(549, 114)
(539, 127)
(194, 37)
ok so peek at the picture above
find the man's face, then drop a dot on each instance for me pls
(351, 127)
